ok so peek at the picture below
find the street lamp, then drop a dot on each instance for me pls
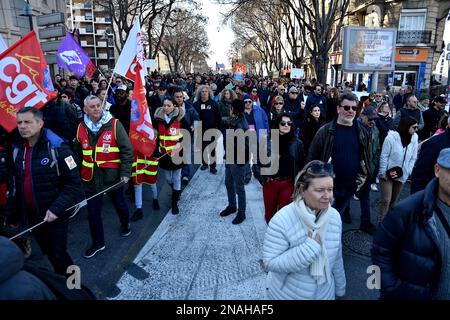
(105, 36)
(27, 11)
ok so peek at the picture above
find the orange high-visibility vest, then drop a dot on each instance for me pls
(169, 137)
(145, 169)
(107, 153)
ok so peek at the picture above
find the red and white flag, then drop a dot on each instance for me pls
(142, 136)
(132, 54)
(24, 79)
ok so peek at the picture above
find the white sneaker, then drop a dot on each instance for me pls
(373, 187)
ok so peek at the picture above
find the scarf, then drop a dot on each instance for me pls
(95, 127)
(320, 268)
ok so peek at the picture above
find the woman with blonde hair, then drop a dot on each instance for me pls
(302, 248)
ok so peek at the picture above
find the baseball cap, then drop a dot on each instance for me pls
(370, 112)
(293, 89)
(122, 87)
(440, 100)
(444, 158)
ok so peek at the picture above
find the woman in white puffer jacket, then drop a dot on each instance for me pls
(302, 248)
(399, 150)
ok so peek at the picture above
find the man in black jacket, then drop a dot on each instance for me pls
(344, 143)
(412, 244)
(47, 182)
(429, 151)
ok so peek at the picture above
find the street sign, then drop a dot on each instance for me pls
(52, 45)
(52, 32)
(52, 18)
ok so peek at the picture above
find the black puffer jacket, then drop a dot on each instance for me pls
(406, 247)
(423, 171)
(50, 191)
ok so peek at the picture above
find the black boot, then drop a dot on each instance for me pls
(175, 198)
(239, 217)
(227, 211)
(137, 215)
(155, 204)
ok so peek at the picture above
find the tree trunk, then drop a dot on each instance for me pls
(321, 66)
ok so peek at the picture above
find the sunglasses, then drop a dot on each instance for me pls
(293, 92)
(320, 168)
(285, 123)
(279, 103)
(347, 108)
(248, 101)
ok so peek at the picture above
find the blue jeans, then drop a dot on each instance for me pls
(186, 170)
(234, 182)
(95, 213)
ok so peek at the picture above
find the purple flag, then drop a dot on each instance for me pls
(72, 57)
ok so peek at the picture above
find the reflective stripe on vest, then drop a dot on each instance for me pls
(169, 137)
(107, 154)
(144, 170)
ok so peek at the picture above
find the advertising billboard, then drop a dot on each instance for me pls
(369, 49)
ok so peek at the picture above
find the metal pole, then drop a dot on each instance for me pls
(374, 84)
(107, 51)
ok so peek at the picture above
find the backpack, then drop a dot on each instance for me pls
(52, 151)
(58, 284)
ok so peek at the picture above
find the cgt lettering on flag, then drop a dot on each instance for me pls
(24, 79)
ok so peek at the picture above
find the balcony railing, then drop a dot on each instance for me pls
(414, 36)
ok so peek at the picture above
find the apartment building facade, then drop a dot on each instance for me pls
(419, 46)
(94, 27)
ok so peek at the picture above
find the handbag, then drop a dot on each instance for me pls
(396, 172)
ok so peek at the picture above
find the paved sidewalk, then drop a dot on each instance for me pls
(198, 254)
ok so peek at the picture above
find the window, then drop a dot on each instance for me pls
(412, 19)
(88, 15)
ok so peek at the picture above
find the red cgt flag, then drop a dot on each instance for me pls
(142, 136)
(24, 79)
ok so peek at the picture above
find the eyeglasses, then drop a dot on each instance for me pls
(379, 96)
(318, 168)
(347, 108)
(248, 101)
(285, 123)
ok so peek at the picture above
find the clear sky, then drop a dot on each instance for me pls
(220, 37)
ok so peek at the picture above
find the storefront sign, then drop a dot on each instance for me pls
(411, 55)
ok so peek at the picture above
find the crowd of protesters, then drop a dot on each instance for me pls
(80, 141)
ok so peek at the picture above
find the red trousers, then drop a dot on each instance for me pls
(277, 194)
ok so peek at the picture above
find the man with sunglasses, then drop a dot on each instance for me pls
(345, 143)
(317, 98)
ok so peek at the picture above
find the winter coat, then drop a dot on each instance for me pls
(423, 171)
(404, 112)
(56, 120)
(224, 108)
(384, 124)
(15, 283)
(166, 162)
(50, 191)
(190, 116)
(293, 107)
(393, 155)
(122, 113)
(236, 123)
(406, 247)
(288, 253)
(309, 130)
(431, 119)
(322, 148)
(320, 101)
(106, 177)
(261, 121)
(209, 114)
